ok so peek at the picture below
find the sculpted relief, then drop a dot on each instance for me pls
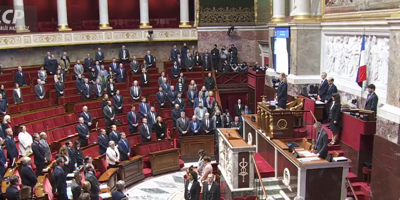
(340, 6)
(342, 55)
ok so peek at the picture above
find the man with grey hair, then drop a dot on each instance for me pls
(200, 111)
(45, 145)
(86, 116)
(321, 143)
(28, 178)
(119, 193)
(39, 154)
(12, 152)
(83, 132)
(323, 88)
(183, 124)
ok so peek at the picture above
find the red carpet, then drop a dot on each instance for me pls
(265, 169)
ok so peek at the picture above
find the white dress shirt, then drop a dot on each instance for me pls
(25, 140)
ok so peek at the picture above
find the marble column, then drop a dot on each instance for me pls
(20, 15)
(62, 15)
(144, 14)
(103, 12)
(278, 7)
(303, 10)
(184, 12)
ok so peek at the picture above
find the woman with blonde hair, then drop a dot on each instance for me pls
(25, 193)
(112, 155)
(25, 142)
(281, 95)
(64, 153)
(193, 83)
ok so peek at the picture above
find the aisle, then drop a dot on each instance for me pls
(163, 187)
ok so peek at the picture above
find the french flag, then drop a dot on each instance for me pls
(362, 69)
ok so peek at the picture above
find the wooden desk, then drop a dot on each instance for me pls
(276, 123)
(6, 179)
(110, 177)
(39, 187)
(164, 161)
(131, 171)
(190, 146)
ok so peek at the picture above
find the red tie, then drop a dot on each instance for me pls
(211, 99)
(183, 120)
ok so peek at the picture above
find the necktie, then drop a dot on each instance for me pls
(123, 53)
(161, 94)
(118, 97)
(136, 91)
(207, 123)
(183, 120)
(87, 116)
(87, 86)
(144, 76)
(110, 109)
(83, 126)
(322, 82)
(126, 144)
(122, 75)
(134, 116)
(195, 124)
(145, 107)
(147, 128)
(98, 88)
(152, 114)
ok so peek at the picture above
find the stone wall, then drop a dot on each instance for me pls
(34, 56)
(340, 6)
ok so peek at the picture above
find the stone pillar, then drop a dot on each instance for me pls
(103, 12)
(144, 14)
(184, 11)
(20, 11)
(62, 15)
(303, 10)
(278, 7)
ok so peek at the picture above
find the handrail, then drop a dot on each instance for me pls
(351, 188)
(259, 175)
(216, 91)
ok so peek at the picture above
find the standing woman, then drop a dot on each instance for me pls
(192, 187)
(336, 121)
(7, 123)
(160, 128)
(104, 100)
(78, 153)
(25, 142)
(201, 153)
(112, 155)
(64, 153)
(17, 94)
(180, 86)
(281, 96)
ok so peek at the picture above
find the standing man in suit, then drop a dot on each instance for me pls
(323, 88)
(191, 95)
(72, 158)
(60, 88)
(28, 177)
(118, 102)
(19, 77)
(175, 70)
(86, 89)
(200, 111)
(239, 107)
(83, 132)
(45, 146)
(172, 95)
(114, 134)
(114, 65)
(161, 78)
(145, 131)
(184, 51)
(281, 96)
(99, 55)
(236, 123)
(321, 144)
(179, 61)
(134, 66)
(328, 98)
(98, 89)
(111, 87)
(76, 187)
(3, 160)
(124, 147)
(119, 193)
(180, 101)
(195, 126)
(207, 125)
(3, 106)
(149, 59)
(12, 152)
(86, 116)
(152, 117)
(94, 183)
(211, 190)
(183, 124)
(189, 62)
(40, 91)
(78, 68)
(144, 78)
(174, 53)
(53, 65)
(88, 63)
(121, 73)
(210, 101)
(135, 91)
(103, 140)
(124, 55)
(210, 83)
(215, 57)
(161, 98)
(144, 108)
(133, 120)
(47, 60)
(39, 154)
(165, 86)
(109, 114)
(79, 84)
(12, 192)
(60, 180)
(372, 99)
(176, 113)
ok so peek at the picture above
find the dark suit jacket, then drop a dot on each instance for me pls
(83, 131)
(210, 125)
(3, 159)
(103, 144)
(94, 186)
(161, 98)
(114, 66)
(172, 95)
(191, 95)
(124, 149)
(323, 90)
(72, 159)
(331, 90)
(19, 78)
(28, 177)
(210, 83)
(213, 193)
(60, 87)
(132, 119)
(149, 60)
(2, 132)
(282, 94)
(12, 193)
(321, 144)
(144, 109)
(194, 192)
(109, 89)
(38, 153)
(107, 114)
(181, 104)
(182, 126)
(134, 66)
(372, 102)
(193, 128)
(3, 106)
(17, 99)
(236, 125)
(237, 110)
(87, 118)
(76, 190)
(142, 78)
(175, 72)
(12, 151)
(176, 114)
(86, 91)
(120, 102)
(96, 90)
(38, 92)
(99, 57)
(174, 54)
(189, 63)
(121, 54)
(132, 92)
(114, 137)
(336, 115)
(165, 87)
(78, 84)
(60, 180)
(117, 195)
(150, 119)
(160, 130)
(121, 76)
(144, 133)
(88, 64)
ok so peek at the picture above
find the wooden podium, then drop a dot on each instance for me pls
(190, 146)
(131, 171)
(275, 123)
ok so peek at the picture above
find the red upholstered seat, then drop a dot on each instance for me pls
(165, 145)
(147, 172)
(39, 115)
(154, 147)
(251, 197)
(59, 110)
(92, 151)
(38, 126)
(181, 163)
(239, 198)
(49, 113)
(144, 150)
(59, 121)
(49, 124)
(57, 134)
(70, 118)
(265, 169)
(17, 120)
(69, 130)
(29, 118)
(93, 137)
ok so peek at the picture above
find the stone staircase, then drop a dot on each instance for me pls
(275, 191)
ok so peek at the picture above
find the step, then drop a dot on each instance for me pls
(360, 195)
(341, 153)
(333, 147)
(352, 177)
